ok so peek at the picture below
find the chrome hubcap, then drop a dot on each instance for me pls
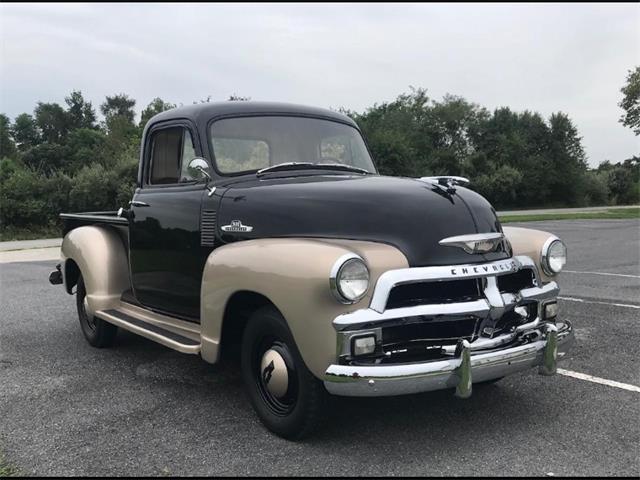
(274, 373)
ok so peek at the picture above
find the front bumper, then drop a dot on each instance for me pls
(461, 372)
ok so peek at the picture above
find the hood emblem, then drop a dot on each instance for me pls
(236, 226)
(475, 243)
(446, 182)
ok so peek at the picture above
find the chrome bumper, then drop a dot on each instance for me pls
(461, 372)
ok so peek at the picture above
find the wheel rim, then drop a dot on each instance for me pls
(275, 376)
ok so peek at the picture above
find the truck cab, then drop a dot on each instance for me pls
(265, 229)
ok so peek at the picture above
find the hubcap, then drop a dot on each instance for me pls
(274, 373)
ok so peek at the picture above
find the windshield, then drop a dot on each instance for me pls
(253, 143)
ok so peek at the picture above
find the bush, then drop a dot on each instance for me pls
(596, 190)
(29, 198)
(93, 189)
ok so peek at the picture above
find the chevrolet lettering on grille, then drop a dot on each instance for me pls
(471, 271)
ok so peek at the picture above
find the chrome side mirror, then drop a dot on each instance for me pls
(199, 168)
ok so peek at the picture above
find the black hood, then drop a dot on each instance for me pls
(409, 214)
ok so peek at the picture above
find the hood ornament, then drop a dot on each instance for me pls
(475, 243)
(236, 226)
(446, 182)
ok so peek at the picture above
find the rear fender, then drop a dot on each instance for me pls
(102, 259)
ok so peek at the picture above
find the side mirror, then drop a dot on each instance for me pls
(199, 168)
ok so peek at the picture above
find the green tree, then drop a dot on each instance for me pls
(7, 145)
(156, 106)
(87, 145)
(630, 102)
(120, 105)
(47, 158)
(25, 131)
(80, 113)
(52, 121)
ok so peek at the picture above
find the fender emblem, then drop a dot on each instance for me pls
(475, 243)
(236, 226)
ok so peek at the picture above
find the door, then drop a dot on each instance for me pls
(166, 258)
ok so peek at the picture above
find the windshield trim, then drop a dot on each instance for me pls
(213, 120)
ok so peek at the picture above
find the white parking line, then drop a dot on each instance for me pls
(602, 381)
(603, 273)
(582, 300)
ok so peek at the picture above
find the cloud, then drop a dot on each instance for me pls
(570, 58)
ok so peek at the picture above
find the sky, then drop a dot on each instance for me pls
(572, 58)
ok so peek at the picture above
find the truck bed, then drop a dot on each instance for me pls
(74, 220)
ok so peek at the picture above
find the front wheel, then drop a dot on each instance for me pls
(98, 333)
(288, 399)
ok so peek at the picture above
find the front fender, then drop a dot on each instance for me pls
(101, 257)
(529, 242)
(293, 273)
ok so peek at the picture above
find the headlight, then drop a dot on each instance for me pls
(349, 279)
(554, 256)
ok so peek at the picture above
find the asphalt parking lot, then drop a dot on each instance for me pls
(142, 409)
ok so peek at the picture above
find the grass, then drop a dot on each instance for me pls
(621, 213)
(6, 470)
(9, 233)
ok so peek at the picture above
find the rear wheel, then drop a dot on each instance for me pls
(288, 399)
(98, 333)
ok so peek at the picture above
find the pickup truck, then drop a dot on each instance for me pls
(264, 231)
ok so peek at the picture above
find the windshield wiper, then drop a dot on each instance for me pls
(310, 166)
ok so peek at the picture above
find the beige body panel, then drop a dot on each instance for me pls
(294, 275)
(529, 242)
(102, 259)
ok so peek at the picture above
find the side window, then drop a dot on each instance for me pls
(171, 151)
(188, 154)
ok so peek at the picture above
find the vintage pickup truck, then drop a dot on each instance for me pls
(264, 230)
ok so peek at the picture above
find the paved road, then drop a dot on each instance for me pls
(142, 409)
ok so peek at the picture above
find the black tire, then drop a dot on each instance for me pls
(297, 413)
(98, 333)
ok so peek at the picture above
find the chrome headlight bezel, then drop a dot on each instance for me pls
(335, 278)
(545, 256)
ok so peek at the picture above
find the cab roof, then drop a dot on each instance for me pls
(204, 112)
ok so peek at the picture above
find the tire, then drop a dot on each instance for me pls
(291, 408)
(98, 333)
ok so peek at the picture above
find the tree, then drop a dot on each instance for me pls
(120, 105)
(80, 113)
(156, 106)
(52, 121)
(47, 158)
(25, 131)
(87, 145)
(7, 145)
(630, 102)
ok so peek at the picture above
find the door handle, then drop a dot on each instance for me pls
(136, 203)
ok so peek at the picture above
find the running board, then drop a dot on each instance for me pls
(149, 330)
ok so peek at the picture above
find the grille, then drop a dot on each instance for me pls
(208, 228)
(423, 341)
(514, 282)
(425, 293)
(444, 332)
